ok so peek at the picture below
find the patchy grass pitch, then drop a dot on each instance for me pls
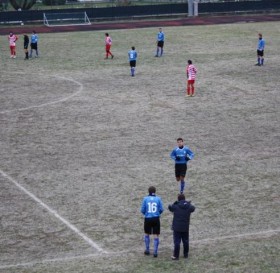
(87, 140)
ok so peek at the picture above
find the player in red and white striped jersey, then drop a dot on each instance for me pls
(12, 41)
(108, 44)
(191, 75)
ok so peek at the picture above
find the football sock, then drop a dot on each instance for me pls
(182, 185)
(132, 71)
(157, 51)
(147, 242)
(161, 52)
(192, 90)
(262, 60)
(26, 55)
(156, 243)
(259, 60)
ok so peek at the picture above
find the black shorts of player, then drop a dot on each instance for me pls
(132, 63)
(160, 43)
(25, 46)
(34, 46)
(152, 225)
(180, 170)
(260, 53)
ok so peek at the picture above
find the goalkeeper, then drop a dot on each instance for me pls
(181, 155)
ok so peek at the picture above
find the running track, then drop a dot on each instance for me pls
(200, 20)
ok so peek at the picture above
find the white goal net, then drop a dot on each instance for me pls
(66, 19)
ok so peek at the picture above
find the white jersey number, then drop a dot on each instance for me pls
(152, 207)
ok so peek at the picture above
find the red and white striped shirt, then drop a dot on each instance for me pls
(12, 39)
(108, 40)
(191, 72)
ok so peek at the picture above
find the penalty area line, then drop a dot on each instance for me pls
(54, 213)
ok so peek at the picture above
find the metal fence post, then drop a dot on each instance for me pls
(195, 3)
(190, 7)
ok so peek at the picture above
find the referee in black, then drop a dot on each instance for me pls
(25, 45)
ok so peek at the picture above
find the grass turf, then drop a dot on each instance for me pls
(87, 139)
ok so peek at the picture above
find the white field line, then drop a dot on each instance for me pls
(83, 257)
(81, 86)
(64, 259)
(237, 236)
(54, 213)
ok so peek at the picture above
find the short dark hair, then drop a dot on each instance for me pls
(133, 48)
(107, 34)
(181, 196)
(189, 61)
(179, 138)
(152, 190)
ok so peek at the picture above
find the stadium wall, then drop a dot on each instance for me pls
(130, 12)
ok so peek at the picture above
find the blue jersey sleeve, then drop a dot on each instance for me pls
(173, 154)
(160, 206)
(189, 154)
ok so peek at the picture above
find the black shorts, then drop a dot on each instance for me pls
(152, 225)
(160, 43)
(25, 46)
(132, 63)
(180, 170)
(34, 46)
(260, 53)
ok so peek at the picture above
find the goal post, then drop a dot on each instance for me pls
(66, 19)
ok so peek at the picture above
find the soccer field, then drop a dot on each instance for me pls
(81, 141)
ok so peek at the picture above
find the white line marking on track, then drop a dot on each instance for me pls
(54, 213)
(83, 257)
(51, 102)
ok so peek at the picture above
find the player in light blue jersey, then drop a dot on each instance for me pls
(260, 50)
(34, 44)
(181, 155)
(132, 56)
(160, 43)
(152, 208)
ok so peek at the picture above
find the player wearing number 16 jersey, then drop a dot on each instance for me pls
(152, 208)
